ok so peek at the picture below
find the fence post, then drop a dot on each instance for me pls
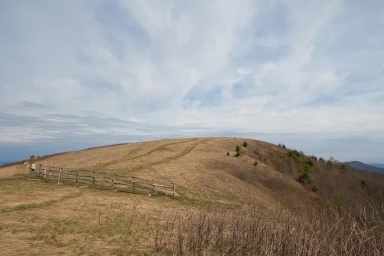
(93, 177)
(174, 188)
(133, 184)
(153, 187)
(77, 174)
(113, 184)
(49, 176)
(58, 179)
(45, 172)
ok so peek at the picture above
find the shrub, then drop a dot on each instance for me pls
(329, 163)
(308, 165)
(315, 189)
(255, 163)
(314, 158)
(245, 144)
(307, 168)
(309, 162)
(227, 153)
(343, 168)
(32, 156)
(321, 159)
(238, 151)
(363, 183)
(245, 232)
(305, 178)
(284, 146)
(294, 153)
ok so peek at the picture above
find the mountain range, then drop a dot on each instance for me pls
(366, 167)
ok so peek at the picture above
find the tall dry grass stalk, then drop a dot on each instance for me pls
(245, 232)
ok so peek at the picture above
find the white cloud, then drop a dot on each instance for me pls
(301, 67)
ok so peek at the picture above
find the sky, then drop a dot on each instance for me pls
(82, 73)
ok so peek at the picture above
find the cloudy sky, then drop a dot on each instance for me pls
(81, 73)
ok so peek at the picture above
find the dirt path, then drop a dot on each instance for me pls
(168, 159)
(44, 204)
(132, 152)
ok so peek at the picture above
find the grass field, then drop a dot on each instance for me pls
(214, 191)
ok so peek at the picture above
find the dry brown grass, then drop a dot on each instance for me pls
(246, 232)
(38, 218)
(46, 218)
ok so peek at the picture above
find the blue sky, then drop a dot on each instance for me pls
(81, 73)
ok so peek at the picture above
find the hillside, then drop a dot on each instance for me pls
(265, 181)
(200, 167)
(364, 167)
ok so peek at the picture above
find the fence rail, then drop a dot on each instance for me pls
(106, 179)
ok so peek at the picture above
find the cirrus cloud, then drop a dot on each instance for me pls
(188, 68)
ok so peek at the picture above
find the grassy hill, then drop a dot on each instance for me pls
(267, 191)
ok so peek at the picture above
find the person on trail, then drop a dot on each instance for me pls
(33, 169)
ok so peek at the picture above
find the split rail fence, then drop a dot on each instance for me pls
(109, 179)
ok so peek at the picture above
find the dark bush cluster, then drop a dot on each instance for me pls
(238, 151)
(305, 178)
(308, 165)
(294, 153)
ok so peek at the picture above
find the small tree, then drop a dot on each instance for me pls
(32, 157)
(237, 154)
(227, 153)
(309, 162)
(255, 163)
(283, 146)
(315, 189)
(308, 165)
(237, 148)
(305, 178)
(245, 144)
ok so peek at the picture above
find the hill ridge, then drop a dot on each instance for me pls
(364, 167)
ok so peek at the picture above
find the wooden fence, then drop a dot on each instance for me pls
(114, 180)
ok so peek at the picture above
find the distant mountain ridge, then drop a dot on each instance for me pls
(364, 167)
(378, 165)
